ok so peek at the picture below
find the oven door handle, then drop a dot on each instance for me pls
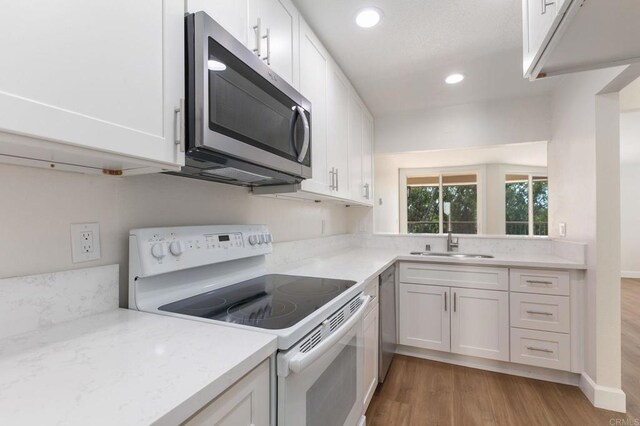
(302, 360)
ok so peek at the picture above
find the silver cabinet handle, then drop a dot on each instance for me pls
(337, 180)
(305, 123)
(267, 37)
(531, 348)
(445, 301)
(257, 29)
(455, 302)
(539, 282)
(539, 313)
(178, 125)
(546, 4)
(366, 191)
(332, 175)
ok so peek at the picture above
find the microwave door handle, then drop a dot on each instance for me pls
(300, 361)
(307, 134)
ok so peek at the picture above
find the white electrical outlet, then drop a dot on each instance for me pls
(85, 242)
(562, 229)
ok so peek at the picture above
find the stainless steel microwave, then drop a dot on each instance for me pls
(245, 125)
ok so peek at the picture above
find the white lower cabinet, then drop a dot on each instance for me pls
(541, 348)
(480, 323)
(245, 403)
(459, 320)
(424, 317)
(370, 367)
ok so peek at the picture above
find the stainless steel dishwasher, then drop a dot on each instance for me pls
(387, 295)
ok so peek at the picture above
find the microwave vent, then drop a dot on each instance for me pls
(231, 174)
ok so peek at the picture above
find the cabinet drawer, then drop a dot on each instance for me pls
(455, 276)
(539, 281)
(541, 349)
(540, 312)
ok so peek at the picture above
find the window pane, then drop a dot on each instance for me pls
(540, 189)
(423, 209)
(464, 208)
(517, 205)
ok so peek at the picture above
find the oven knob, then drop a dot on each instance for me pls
(253, 240)
(262, 239)
(268, 238)
(159, 250)
(176, 248)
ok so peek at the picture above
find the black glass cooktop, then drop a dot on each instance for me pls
(271, 301)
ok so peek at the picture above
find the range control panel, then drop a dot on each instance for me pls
(161, 250)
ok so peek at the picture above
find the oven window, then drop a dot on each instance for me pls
(334, 394)
(266, 114)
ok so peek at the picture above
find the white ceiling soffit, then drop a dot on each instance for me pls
(400, 65)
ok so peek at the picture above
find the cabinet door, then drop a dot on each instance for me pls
(104, 75)
(424, 316)
(313, 86)
(370, 369)
(231, 14)
(245, 403)
(480, 323)
(367, 158)
(338, 131)
(276, 42)
(538, 17)
(356, 132)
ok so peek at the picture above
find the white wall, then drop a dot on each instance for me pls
(386, 212)
(469, 125)
(630, 219)
(38, 205)
(583, 187)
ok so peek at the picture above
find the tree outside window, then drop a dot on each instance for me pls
(526, 205)
(425, 195)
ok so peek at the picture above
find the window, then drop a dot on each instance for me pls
(425, 198)
(526, 204)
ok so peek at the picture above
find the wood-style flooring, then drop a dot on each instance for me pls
(423, 392)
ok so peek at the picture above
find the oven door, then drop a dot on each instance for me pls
(324, 386)
(240, 107)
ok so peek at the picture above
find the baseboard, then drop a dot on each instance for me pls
(613, 399)
(630, 274)
(539, 373)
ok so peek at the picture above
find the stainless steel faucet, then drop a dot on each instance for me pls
(452, 243)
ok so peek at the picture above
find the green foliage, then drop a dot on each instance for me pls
(423, 206)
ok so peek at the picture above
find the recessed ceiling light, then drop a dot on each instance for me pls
(369, 17)
(216, 65)
(454, 78)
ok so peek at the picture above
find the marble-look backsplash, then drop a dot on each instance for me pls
(294, 251)
(32, 302)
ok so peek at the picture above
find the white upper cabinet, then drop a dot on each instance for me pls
(92, 84)
(273, 36)
(559, 35)
(313, 85)
(231, 14)
(338, 133)
(360, 151)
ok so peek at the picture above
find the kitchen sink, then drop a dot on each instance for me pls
(453, 255)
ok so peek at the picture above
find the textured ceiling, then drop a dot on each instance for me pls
(401, 64)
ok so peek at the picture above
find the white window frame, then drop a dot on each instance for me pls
(530, 174)
(478, 170)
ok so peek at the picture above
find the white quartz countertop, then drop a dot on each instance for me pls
(362, 264)
(122, 367)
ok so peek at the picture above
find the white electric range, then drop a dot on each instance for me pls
(218, 274)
